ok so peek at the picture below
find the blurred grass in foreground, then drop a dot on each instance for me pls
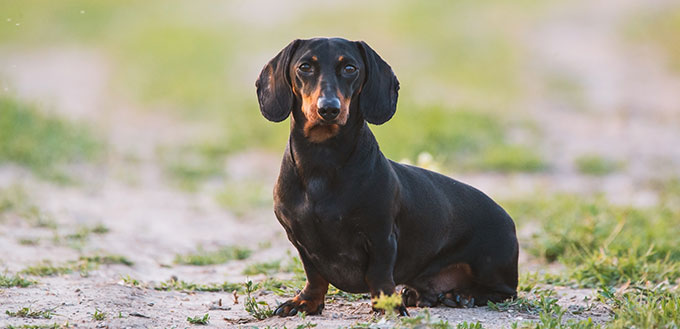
(42, 142)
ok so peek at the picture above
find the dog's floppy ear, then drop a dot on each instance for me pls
(378, 97)
(274, 91)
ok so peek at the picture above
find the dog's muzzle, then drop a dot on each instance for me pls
(328, 108)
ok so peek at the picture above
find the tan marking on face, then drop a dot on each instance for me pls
(314, 129)
(314, 58)
(309, 107)
(341, 58)
(344, 108)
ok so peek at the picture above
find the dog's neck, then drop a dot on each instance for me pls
(354, 144)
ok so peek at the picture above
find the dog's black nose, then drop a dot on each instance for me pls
(329, 108)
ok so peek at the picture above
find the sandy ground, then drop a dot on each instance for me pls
(630, 104)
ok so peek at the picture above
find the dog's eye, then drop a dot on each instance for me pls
(349, 69)
(305, 68)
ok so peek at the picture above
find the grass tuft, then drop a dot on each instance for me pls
(98, 315)
(199, 320)
(258, 309)
(14, 281)
(27, 312)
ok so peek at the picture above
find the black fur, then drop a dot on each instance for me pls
(365, 223)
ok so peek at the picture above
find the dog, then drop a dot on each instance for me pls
(358, 220)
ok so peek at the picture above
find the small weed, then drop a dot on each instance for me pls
(469, 325)
(596, 165)
(387, 303)
(130, 281)
(107, 260)
(258, 309)
(26, 312)
(200, 320)
(14, 281)
(98, 315)
(220, 256)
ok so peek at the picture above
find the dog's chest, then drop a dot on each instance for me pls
(317, 212)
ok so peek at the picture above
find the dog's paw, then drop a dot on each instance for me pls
(409, 297)
(456, 300)
(298, 304)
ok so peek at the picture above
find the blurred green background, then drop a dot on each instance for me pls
(469, 93)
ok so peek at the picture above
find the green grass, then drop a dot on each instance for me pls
(27, 312)
(83, 265)
(601, 243)
(46, 268)
(107, 259)
(258, 309)
(173, 57)
(42, 142)
(98, 315)
(9, 281)
(199, 320)
(203, 257)
(541, 303)
(180, 285)
(511, 158)
(596, 165)
(644, 306)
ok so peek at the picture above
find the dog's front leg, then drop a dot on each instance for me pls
(311, 299)
(380, 272)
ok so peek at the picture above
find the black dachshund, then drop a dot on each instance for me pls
(360, 221)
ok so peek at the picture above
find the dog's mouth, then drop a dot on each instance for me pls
(318, 132)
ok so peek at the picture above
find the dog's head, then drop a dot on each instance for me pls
(329, 81)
